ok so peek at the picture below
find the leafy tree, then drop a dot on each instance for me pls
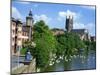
(69, 43)
(93, 45)
(61, 44)
(45, 44)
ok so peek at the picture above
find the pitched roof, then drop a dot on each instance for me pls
(79, 31)
(57, 29)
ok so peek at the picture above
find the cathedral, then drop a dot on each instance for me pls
(83, 33)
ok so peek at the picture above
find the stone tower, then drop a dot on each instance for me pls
(69, 23)
(29, 24)
(29, 19)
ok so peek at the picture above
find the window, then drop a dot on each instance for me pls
(22, 33)
(13, 39)
(19, 32)
(25, 34)
(19, 25)
(13, 23)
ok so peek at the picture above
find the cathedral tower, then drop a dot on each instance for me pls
(69, 23)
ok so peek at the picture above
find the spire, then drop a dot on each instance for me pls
(30, 13)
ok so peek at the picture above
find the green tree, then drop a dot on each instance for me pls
(61, 45)
(69, 44)
(45, 44)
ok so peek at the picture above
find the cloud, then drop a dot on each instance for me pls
(90, 27)
(42, 17)
(63, 14)
(15, 13)
(67, 13)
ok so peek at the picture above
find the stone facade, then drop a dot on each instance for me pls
(83, 33)
(20, 32)
(69, 23)
(57, 31)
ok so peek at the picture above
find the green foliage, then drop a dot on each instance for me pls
(61, 44)
(23, 51)
(68, 44)
(93, 45)
(87, 42)
(45, 44)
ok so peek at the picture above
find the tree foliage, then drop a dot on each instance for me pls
(45, 44)
(69, 43)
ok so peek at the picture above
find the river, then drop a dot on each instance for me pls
(78, 62)
(83, 61)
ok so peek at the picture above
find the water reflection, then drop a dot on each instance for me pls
(83, 61)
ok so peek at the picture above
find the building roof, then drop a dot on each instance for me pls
(79, 31)
(16, 20)
(56, 29)
(93, 36)
(13, 19)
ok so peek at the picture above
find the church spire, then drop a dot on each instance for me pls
(30, 13)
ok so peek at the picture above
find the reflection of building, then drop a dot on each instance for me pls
(83, 33)
(21, 32)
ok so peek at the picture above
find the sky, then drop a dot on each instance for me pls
(54, 15)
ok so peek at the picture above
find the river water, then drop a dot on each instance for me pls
(78, 62)
(83, 61)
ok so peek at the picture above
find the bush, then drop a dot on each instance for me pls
(23, 51)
